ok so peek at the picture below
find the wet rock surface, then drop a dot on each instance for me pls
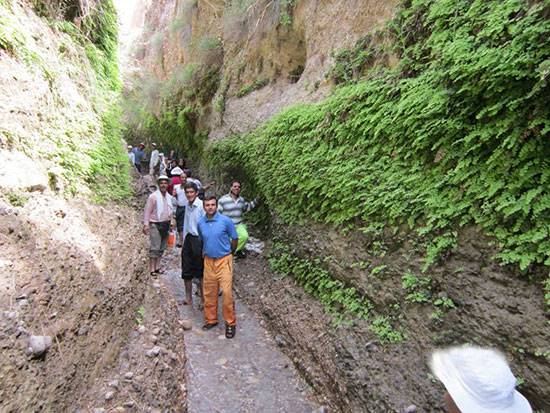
(245, 374)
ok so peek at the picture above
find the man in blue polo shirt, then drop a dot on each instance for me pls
(219, 239)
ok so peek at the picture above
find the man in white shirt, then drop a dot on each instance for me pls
(180, 200)
(131, 156)
(154, 161)
(192, 265)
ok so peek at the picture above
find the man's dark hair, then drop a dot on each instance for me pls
(191, 185)
(236, 181)
(210, 197)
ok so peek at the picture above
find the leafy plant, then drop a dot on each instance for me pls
(285, 11)
(257, 84)
(334, 294)
(140, 315)
(16, 199)
(382, 327)
(444, 302)
(454, 135)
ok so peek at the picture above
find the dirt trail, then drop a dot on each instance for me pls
(246, 374)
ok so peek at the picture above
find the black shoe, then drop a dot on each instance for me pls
(209, 326)
(230, 331)
(240, 254)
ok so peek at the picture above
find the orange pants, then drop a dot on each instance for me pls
(218, 273)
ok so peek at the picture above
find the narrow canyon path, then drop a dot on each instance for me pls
(246, 374)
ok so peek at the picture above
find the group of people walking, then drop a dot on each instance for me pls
(210, 232)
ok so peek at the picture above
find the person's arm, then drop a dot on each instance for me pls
(147, 214)
(248, 206)
(172, 205)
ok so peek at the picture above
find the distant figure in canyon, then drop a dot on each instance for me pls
(192, 264)
(219, 238)
(139, 154)
(478, 380)
(154, 160)
(158, 220)
(234, 206)
(131, 156)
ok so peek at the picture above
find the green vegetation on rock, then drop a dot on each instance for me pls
(169, 110)
(257, 84)
(81, 144)
(340, 301)
(456, 134)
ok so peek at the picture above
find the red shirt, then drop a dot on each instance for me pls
(176, 180)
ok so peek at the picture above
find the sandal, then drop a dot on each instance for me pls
(210, 326)
(230, 331)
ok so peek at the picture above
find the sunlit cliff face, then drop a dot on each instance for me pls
(131, 17)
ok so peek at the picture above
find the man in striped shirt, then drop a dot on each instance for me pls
(233, 205)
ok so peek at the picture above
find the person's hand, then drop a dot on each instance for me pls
(146, 229)
(172, 225)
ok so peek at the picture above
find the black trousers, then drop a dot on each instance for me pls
(192, 264)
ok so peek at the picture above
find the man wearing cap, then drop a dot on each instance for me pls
(131, 156)
(139, 153)
(219, 239)
(478, 380)
(158, 220)
(154, 161)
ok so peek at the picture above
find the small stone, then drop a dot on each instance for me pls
(99, 410)
(37, 188)
(142, 329)
(156, 331)
(322, 409)
(109, 395)
(186, 324)
(22, 303)
(129, 376)
(10, 314)
(82, 331)
(280, 340)
(221, 361)
(156, 285)
(154, 339)
(114, 384)
(154, 352)
(410, 409)
(38, 345)
(21, 331)
(129, 403)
